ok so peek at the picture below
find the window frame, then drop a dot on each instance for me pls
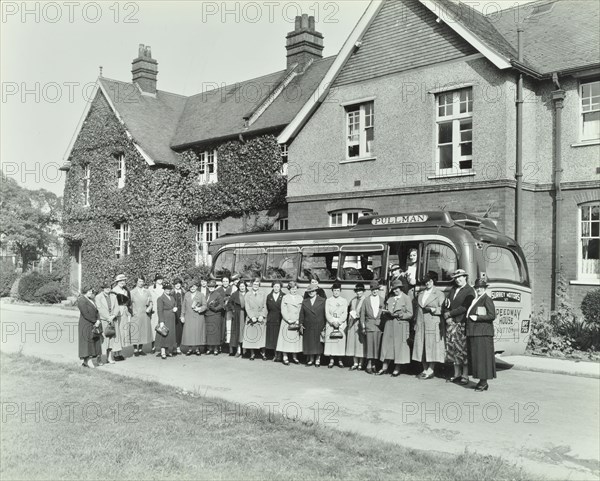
(335, 249)
(284, 159)
(121, 169)
(87, 176)
(346, 249)
(582, 113)
(423, 261)
(456, 118)
(293, 250)
(365, 150)
(202, 243)
(521, 266)
(205, 177)
(345, 213)
(581, 276)
(123, 247)
(284, 221)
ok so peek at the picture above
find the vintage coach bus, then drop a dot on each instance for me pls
(445, 241)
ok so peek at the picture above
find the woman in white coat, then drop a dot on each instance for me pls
(336, 314)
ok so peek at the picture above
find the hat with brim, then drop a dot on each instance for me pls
(212, 283)
(396, 284)
(480, 283)
(311, 288)
(394, 267)
(374, 285)
(459, 273)
(359, 287)
(121, 277)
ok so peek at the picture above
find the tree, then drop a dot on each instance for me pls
(28, 219)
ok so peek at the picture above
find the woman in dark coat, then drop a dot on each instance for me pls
(166, 308)
(480, 337)
(215, 301)
(237, 306)
(312, 322)
(274, 318)
(90, 346)
(314, 282)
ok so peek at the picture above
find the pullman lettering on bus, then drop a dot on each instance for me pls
(400, 219)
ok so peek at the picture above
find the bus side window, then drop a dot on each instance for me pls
(282, 263)
(223, 265)
(321, 261)
(400, 254)
(250, 262)
(361, 266)
(441, 260)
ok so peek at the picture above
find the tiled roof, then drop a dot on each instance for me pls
(220, 113)
(151, 120)
(558, 35)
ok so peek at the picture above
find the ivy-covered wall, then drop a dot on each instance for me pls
(161, 204)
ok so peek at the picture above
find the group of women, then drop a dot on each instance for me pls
(376, 332)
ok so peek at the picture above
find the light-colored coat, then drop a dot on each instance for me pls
(429, 338)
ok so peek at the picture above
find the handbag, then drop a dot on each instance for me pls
(162, 330)
(97, 331)
(336, 334)
(295, 326)
(110, 331)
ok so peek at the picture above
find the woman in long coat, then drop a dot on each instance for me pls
(274, 299)
(289, 341)
(192, 317)
(167, 307)
(480, 336)
(399, 311)
(90, 346)
(237, 307)
(155, 291)
(256, 316)
(429, 338)
(355, 345)
(215, 302)
(312, 322)
(370, 323)
(141, 305)
(123, 313)
(336, 314)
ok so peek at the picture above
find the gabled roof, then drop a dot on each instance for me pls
(559, 36)
(150, 119)
(221, 113)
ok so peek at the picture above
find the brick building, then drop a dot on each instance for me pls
(129, 145)
(420, 111)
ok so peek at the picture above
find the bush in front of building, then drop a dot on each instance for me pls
(50, 293)
(7, 279)
(590, 306)
(30, 283)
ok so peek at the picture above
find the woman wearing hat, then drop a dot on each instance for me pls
(141, 306)
(312, 322)
(273, 326)
(429, 336)
(480, 336)
(90, 345)
(394, 347)
(455, 309)
(156, 291)
(215, 302)
(192, 317)
(336, 314)
(314, 282)
(289, 340)
(106, 302)
(123, 312)
(355, 345)
(370, 322)
(167, 307)
(237, 306)
(256, 316)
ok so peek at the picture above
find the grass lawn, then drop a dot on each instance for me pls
(123, 428)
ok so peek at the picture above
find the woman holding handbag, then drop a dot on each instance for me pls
(429, 345)
(106, 302)
(90, 328)
(370, 323)
(289, 340)
(355, 342)
(166, 340)
(336, 313)
(141, 305)
(123, 313)
(237, 306)
(192, 317)
(397, 315)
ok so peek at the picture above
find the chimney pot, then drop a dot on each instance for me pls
(144, 69)
(304, 44)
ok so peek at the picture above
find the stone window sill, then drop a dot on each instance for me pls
(586, 143)
(469, 173)
(358, 159)
(585, 282)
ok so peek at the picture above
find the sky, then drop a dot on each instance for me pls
(51, 53)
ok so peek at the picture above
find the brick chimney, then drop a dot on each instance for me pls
(145, 70)
(304, 43)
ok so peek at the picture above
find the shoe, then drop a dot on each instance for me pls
(317, 363)
(178, 350)
(197, 352)
(215, 353)
(341, 364)
(380, 372)
(463, 381)
(90, 364)
(136, 353)
(424, 376)
(454, 379)
(360, 367)
(264, 357)
(295, 361)
(331, 364)
(83, 364)
(163, 356)
(253, 357)
(395, 373)
(309, 363)
(286, 362)
(354, 367)
(141, 353)
(153, 349)
(482, 387)
(110, 359)
(237, 354)
(119, 358)
(189, 353)
(99, 362)
(369, 370)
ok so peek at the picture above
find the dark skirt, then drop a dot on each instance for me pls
(482, 363)
(168, 342)
(273, 326)
(89, 346)
(311, 339)
(373, 344)
(214, 328)
(238, 320)
(178, 330)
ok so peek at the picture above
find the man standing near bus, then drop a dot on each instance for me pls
(456, 305)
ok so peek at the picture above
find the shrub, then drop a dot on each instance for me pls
(8, 276)
(30, 283)
(590, 306)
(544, 337)
(51, 293)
